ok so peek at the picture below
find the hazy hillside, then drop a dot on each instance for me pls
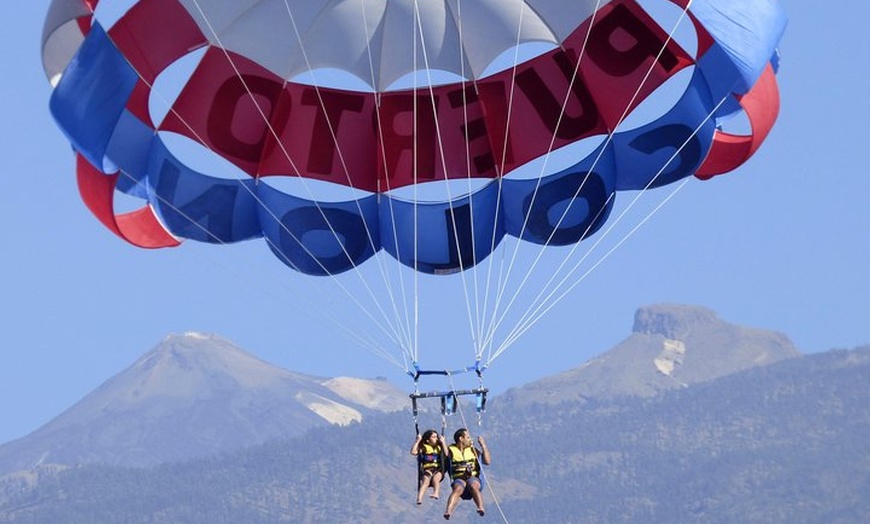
(194, 395)
(786, 443)
(670, 347)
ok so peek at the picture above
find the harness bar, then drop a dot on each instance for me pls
(417, 372)
(448, 399)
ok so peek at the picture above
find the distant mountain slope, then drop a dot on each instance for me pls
(671, 346)
(190, 396)
(782, 444)
(196, 394)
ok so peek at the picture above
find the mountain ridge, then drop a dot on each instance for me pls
(191, 395)
(671, 346)
(196, 394)
(778, 444)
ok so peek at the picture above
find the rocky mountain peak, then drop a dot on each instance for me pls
(671, 346)
(671, 320)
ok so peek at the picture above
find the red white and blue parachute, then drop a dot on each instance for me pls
(244, 102)
(428, 130)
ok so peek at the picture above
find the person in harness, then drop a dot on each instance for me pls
(464, 465)
(430, 462)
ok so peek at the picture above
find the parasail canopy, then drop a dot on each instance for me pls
(427, 130)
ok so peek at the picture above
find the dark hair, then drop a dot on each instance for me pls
(458, 434)
(428, 433)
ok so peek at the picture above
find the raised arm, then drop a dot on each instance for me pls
(415, 447)
(444, 449)
(484, 451)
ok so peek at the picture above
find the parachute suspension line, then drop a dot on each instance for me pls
(406, 317)
(549, 302)
(381, 266)
(496, 318)
(403, 346)
(501, 281)
(396, 324)
(372, 346)
(595, 163)
(532, 317)
(477, 321)
(416, 158)
(444, 165)
(376, 349)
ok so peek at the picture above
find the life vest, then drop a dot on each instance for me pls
(463, 463)
(429, 457)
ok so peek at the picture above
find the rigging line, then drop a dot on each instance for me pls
(500, 174)
(529, 323)
(343, 162)
(416, 209)
(444, 166)
(359, 338)
(553, 277)
(634, 201)
(372, 345)
(565, 100)
(503, 284)
(595, 162)
(606, 143)
(205, 229)
(359, 275)
(478, 319)
(253, 195)
(293, 165)
(403, 293)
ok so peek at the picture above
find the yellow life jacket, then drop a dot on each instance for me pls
(429, 456)
(463, 462)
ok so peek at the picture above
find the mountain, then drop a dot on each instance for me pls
(193, 395)
(670, 347)
(784, 443)
(196, 394)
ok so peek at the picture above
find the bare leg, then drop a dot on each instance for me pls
(453, 499)
(476, 496)
(436, 484)
(424, 483)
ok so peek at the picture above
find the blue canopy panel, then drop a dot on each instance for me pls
(685, 130)
(129, 150)
(318, 238)
(91, 97)
(565, 207)
(200, 207)
(746, 34)
(443, 237)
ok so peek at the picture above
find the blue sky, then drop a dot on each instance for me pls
(780, 244)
